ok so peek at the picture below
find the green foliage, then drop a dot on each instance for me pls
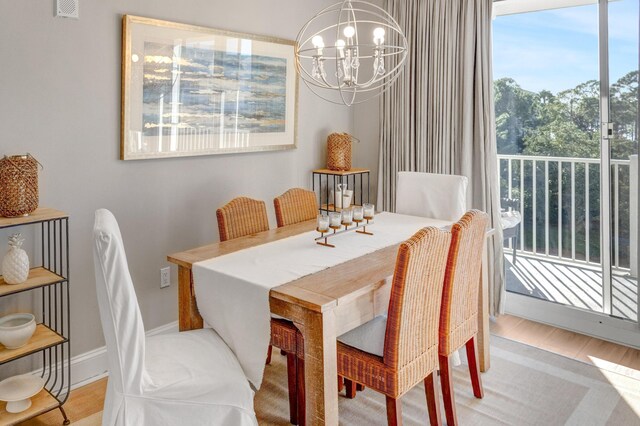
(566, 124)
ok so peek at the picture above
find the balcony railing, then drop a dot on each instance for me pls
(560, 207)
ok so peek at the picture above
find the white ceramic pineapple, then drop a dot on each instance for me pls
(15, 265)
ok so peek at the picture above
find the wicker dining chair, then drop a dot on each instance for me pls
(459, 312)
(242, 216)
(393, 354)
(294, 206)
(284, 335)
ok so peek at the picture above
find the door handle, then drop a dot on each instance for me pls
(607, 130)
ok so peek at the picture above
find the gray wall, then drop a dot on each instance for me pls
(60, 101)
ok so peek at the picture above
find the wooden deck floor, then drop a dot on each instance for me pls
(570, 284)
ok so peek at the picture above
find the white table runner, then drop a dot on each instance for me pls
(232, 291)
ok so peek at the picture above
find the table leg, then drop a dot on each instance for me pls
(483, 313)
(188, 316)
(320, 369)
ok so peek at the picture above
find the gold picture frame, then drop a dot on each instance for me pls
(189, 90)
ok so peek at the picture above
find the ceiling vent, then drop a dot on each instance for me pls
(67, 9)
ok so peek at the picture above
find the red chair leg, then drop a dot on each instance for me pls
(351, 388)
(340, 383)
(302, 414)
(446, 380)
(474, 369)
(292, 373)
(269, 354)
(359, 387)
(394, 412)
(433, 399)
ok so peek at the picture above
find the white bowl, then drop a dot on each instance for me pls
(18, 390)
(16, 330)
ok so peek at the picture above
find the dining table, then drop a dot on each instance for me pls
(323, 300)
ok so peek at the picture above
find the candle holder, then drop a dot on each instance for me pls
(323, 237)
(364, 227)
(324, 225)
(360, 227)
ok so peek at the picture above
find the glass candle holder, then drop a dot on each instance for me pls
(358, 213)
(347, 216)
(369, 211)
(334, 220)
(323, 223)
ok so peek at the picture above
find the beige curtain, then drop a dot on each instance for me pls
(439, 116)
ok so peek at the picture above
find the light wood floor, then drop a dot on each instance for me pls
(89, 399)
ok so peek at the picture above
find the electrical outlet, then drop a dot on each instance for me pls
(165, 277)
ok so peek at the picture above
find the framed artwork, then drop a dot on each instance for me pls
(189, 90)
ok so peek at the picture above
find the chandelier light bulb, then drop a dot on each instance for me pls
(340, 46)
(349, 31)
(379, 33)
(317, 42)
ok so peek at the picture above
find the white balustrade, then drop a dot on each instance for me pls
(536, 213)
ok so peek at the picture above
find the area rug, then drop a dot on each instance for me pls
(525, 386)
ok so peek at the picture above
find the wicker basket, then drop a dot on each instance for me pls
(339, 151)
(18, 185)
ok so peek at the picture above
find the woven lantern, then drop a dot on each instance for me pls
(18, 185)
(339, 151)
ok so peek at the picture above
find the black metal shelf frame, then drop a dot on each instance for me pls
(324, 203)
(55, 310)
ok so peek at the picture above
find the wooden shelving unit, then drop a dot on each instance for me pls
(324, 181)
(38, 277)
(40, 404)
(51, 339)
(43, 214)
(43, 338)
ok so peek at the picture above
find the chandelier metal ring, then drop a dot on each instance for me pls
(334, 70)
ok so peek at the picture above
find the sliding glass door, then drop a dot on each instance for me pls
(566, 92)
(620, 142)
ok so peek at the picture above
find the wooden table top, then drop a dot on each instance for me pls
(320, 291)
(189, 257)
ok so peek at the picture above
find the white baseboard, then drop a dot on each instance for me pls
(91, 366)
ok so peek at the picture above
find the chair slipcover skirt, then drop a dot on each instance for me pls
(189, 378)
(194, 380)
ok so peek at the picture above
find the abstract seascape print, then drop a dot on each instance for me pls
(196, 90)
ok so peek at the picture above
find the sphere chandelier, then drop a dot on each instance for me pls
(350, 52)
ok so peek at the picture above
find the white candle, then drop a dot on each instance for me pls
(347, 216)
(358, 213)
(323, 223)
(369, 210)
(334, 219)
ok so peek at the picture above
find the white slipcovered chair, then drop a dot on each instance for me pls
(432, 195)
(189, 378)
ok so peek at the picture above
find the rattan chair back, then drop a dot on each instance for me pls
(294, 206)
(242, 216)
(414, 307)
(459, 312)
